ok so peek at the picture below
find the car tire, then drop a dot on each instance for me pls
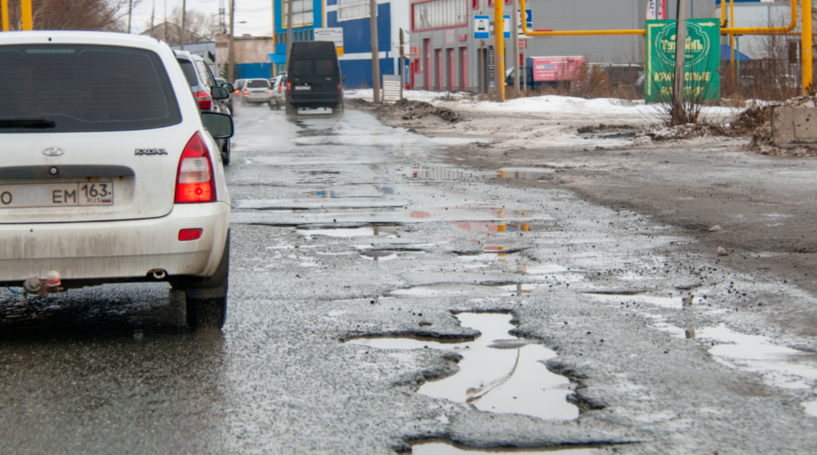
(277, 105)
(226, 153)
(291, 110)
(206, 299)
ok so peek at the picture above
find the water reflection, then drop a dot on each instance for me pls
(441, 448)
(496, 374)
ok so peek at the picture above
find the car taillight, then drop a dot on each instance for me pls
(195, 181)
(280, 89)
(186, 235)
(340, 87)
(205, 100)
(237, 92)
(269, 92)
(289, 87)
(245, 92)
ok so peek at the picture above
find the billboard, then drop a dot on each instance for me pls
(556, 68)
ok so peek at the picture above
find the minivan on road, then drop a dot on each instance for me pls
(313, 77)
(109, 172)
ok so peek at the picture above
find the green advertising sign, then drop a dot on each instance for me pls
(702, 60)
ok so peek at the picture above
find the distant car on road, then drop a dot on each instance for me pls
(255, 91)
(110, 172)
(278, 96)
(313, 77)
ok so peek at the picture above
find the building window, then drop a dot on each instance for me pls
(301, 13)
(439, 14)
(490, 3)
(353, 9)
(475, 4)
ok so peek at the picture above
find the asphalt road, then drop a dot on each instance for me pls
(345, 229)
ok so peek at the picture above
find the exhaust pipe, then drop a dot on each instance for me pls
(158, 274)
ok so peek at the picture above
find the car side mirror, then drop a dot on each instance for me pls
(228, 87)
(220, 126)
(219, 93)
(343, 78)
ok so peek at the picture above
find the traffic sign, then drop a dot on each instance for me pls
(334, 34)
(506, 26)
(482, 27)
(528, 17)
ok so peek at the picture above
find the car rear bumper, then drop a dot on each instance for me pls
(117, 249)
(316, 100)
(257, 98)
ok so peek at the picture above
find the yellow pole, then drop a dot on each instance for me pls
(732, 30)
(723, 14)
(499, 49)
(5, 7)
(25, 10)
(805, 48)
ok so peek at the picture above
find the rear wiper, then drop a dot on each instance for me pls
(36, 123)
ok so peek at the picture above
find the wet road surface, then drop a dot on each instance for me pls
(347, 233)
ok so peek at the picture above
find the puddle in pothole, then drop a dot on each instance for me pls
(346, 232)
(498, 373)
(525, 173)
(481, 226)
(441, 448)
(444, 173)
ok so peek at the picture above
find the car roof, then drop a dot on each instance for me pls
(79, 37)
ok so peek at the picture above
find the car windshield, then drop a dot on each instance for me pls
(258, 83)
(79, 88)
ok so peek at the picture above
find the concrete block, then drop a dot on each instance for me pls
(795, 126)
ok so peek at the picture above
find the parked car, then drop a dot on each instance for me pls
(110, 173)
(255, 91)
(313, 77)
(238, 84)
(278, 96)
(228, 103)
(201, 80)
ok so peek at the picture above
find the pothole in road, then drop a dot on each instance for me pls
(524, 173)
(445, 173)
(497, 373)
(482, 226)
(346, 232)
(441, 448)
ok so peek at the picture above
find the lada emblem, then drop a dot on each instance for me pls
(53, 151)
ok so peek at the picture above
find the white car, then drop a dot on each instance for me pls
(109, 172)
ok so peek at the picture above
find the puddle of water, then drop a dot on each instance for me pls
(526, 173)
(320, 193)
(779, 365)
(810, 408)
(481, 226)
(365, 231)
(497, 374)
(441, 448)
(444, 173)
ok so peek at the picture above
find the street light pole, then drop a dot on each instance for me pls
(375, 52)
(289, 30)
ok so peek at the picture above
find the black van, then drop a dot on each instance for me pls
(313, 77)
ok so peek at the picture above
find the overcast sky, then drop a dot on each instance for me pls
(256, 13)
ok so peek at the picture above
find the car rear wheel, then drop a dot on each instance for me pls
(225, 153)
(206, 299)
(291, 110)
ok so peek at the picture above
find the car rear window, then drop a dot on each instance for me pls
(189, 72)
(324, 67)
(301, 68)
(83, 88)
(258, 83)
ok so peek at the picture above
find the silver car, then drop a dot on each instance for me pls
(256, 91)
(278, 97)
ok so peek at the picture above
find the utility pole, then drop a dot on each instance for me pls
(166, 21)
(499, 49)
(482, 71)
(130, 13)
(230, 47)
(375, 52)
(515, 25)
(289, 31)
(181, 36)
(402, 65)
(152, 15)
(680, 60)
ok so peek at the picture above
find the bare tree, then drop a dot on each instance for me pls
(198, 25)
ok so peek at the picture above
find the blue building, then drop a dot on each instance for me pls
(353, 17)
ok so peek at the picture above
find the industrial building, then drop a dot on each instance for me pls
(445, 55)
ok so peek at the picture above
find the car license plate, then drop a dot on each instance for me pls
(303, 87)
(56, 194)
